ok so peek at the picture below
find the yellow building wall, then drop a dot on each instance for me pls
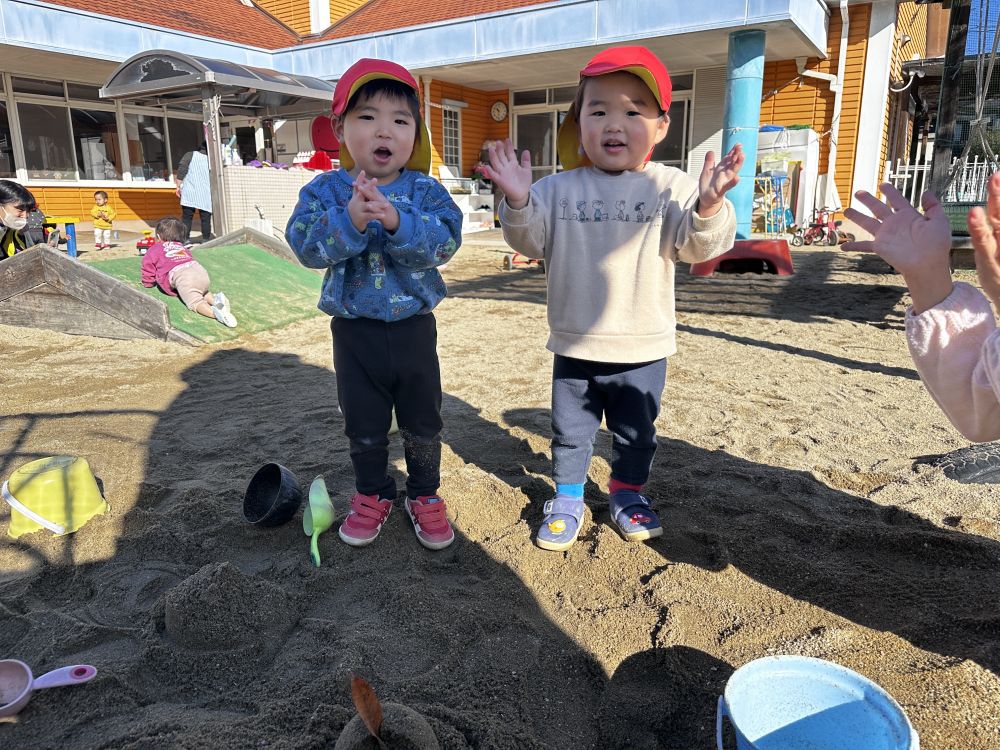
(911, 20)
(340, 8)
(293, 13)
(793, 100)
(477, 125)
(145, 204)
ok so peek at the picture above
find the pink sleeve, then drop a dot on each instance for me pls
(956, 349)
(148, 268)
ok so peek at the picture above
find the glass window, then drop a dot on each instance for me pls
(562, 95)
(529, 97)
(47, 144)
(95, 137)
(185, 136)
(34, 86)
(82, 91)
(452, 139)
(671, 149)
(6, 145)
(683, 82)
(147, 147)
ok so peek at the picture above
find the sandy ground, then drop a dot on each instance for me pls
(803, 516)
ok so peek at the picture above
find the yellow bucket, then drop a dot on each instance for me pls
(58, 493)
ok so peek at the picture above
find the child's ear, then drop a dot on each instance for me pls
(338, 127)
(662, 126)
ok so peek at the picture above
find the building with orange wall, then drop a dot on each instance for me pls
(488, 69)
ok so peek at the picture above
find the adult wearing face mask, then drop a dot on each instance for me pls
(16, 202)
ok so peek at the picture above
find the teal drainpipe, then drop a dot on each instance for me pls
(741, 119)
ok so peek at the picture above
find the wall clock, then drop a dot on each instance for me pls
(499, 111)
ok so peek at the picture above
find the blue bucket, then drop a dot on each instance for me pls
(799, 703)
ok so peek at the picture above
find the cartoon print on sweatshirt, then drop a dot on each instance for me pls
(638, 208)
(599, 213)
(621, 215)
(564, 203)
(581, 211)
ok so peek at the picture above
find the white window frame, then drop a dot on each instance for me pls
(447, 110)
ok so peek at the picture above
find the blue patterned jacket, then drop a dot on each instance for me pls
(375, 274)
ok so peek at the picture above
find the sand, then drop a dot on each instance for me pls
(795, 476)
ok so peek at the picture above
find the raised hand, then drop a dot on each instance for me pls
(917, 245)
(984, 231)
(509, 174)
(718, 179)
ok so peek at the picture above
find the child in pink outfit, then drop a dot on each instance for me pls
(169, 265)
(950, 327)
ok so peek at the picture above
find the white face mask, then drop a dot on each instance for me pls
(17, 223)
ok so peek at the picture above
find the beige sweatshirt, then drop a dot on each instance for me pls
(610, 243)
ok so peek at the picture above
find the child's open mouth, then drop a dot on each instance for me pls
(382, 155)
(614, 147)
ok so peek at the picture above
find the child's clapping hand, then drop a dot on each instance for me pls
(368, 204)
(917, 245)
(718, 179)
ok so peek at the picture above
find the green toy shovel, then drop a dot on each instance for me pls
(318, 517)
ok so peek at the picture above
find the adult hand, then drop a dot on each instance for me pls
(917, 245)
(511, 175)
(718, 179)
(984, 231)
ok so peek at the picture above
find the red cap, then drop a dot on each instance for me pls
(638, 61)
(370, 69)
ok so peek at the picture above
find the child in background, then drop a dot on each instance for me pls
(381, 227)
(610, 275)
(169, 265)
(104, 216)
(950, 327)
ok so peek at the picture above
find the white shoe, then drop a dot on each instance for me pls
(225, 317)
(221, 301)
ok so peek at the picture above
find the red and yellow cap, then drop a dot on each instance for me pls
(369, 69)
(638, 61)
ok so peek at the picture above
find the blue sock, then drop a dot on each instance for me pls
(572, 490)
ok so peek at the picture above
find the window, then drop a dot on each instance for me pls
(95, 138)
(672, 150)
(147, 147)
(452, 129)
(34, 86)
(45, 131)
(6, 145)
(185, 136)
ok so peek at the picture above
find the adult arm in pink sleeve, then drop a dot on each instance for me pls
(956, 348)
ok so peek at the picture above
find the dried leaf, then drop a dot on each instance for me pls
(369, 708)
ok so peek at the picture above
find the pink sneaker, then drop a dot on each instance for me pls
(430, 521)
(365, 519)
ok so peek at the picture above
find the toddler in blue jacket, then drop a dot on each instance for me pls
(381, 228)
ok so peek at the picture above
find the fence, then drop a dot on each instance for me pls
(967, 186)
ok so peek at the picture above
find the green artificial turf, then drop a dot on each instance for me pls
(265, 291)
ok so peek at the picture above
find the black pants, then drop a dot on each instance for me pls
(380, 366)
(626, 395)
(206, 221)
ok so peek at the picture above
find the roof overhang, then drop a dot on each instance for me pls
(165, 77)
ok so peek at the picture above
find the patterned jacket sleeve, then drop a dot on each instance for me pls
(320, 231)
(430, 228)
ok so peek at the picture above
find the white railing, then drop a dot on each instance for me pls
(968, 184)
